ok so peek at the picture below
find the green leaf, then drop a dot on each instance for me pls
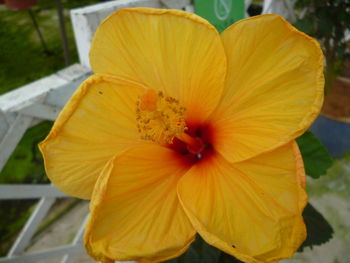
(191, 255)
(305, 25)
(316, 157)
(225, 258)
(201, 252)
(319, 231)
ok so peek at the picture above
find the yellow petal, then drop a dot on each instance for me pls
(274, 86)
(97, 123)
(252, 209)
(169, 50)
(135, 212)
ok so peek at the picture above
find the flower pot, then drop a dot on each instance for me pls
(335, 135)
(333, 125)
(20, 4)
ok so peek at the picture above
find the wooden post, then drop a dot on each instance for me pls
(64, 40)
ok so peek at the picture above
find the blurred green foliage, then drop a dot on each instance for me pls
(327, 21)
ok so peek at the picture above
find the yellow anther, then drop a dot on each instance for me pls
(159, 118)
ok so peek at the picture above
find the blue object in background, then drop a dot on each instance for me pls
(334, 135)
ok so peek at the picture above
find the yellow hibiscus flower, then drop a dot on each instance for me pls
(181, 131)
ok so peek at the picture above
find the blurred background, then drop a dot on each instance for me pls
(43, 58)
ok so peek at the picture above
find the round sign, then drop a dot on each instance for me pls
(222, 8)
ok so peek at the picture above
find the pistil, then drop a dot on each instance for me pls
(194, 145)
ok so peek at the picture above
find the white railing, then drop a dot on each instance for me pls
(20, 110)
(42, 100)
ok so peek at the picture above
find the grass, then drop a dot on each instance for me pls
(20, 45)
(25, 164)
(13, 215)
(23, 60)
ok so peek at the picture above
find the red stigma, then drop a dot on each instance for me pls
(200, 148)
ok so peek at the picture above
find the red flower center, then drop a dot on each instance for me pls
(196, 144)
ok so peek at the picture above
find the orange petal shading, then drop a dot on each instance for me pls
(169, 50)
(97, 123)
(252, 209)
(274, 86)
(135, 212)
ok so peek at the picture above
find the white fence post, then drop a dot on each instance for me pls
(284, 8)
(31, 225)
(77, 240)
(12, 137)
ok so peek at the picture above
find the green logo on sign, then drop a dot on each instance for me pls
(222, 8)
(221, 13)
